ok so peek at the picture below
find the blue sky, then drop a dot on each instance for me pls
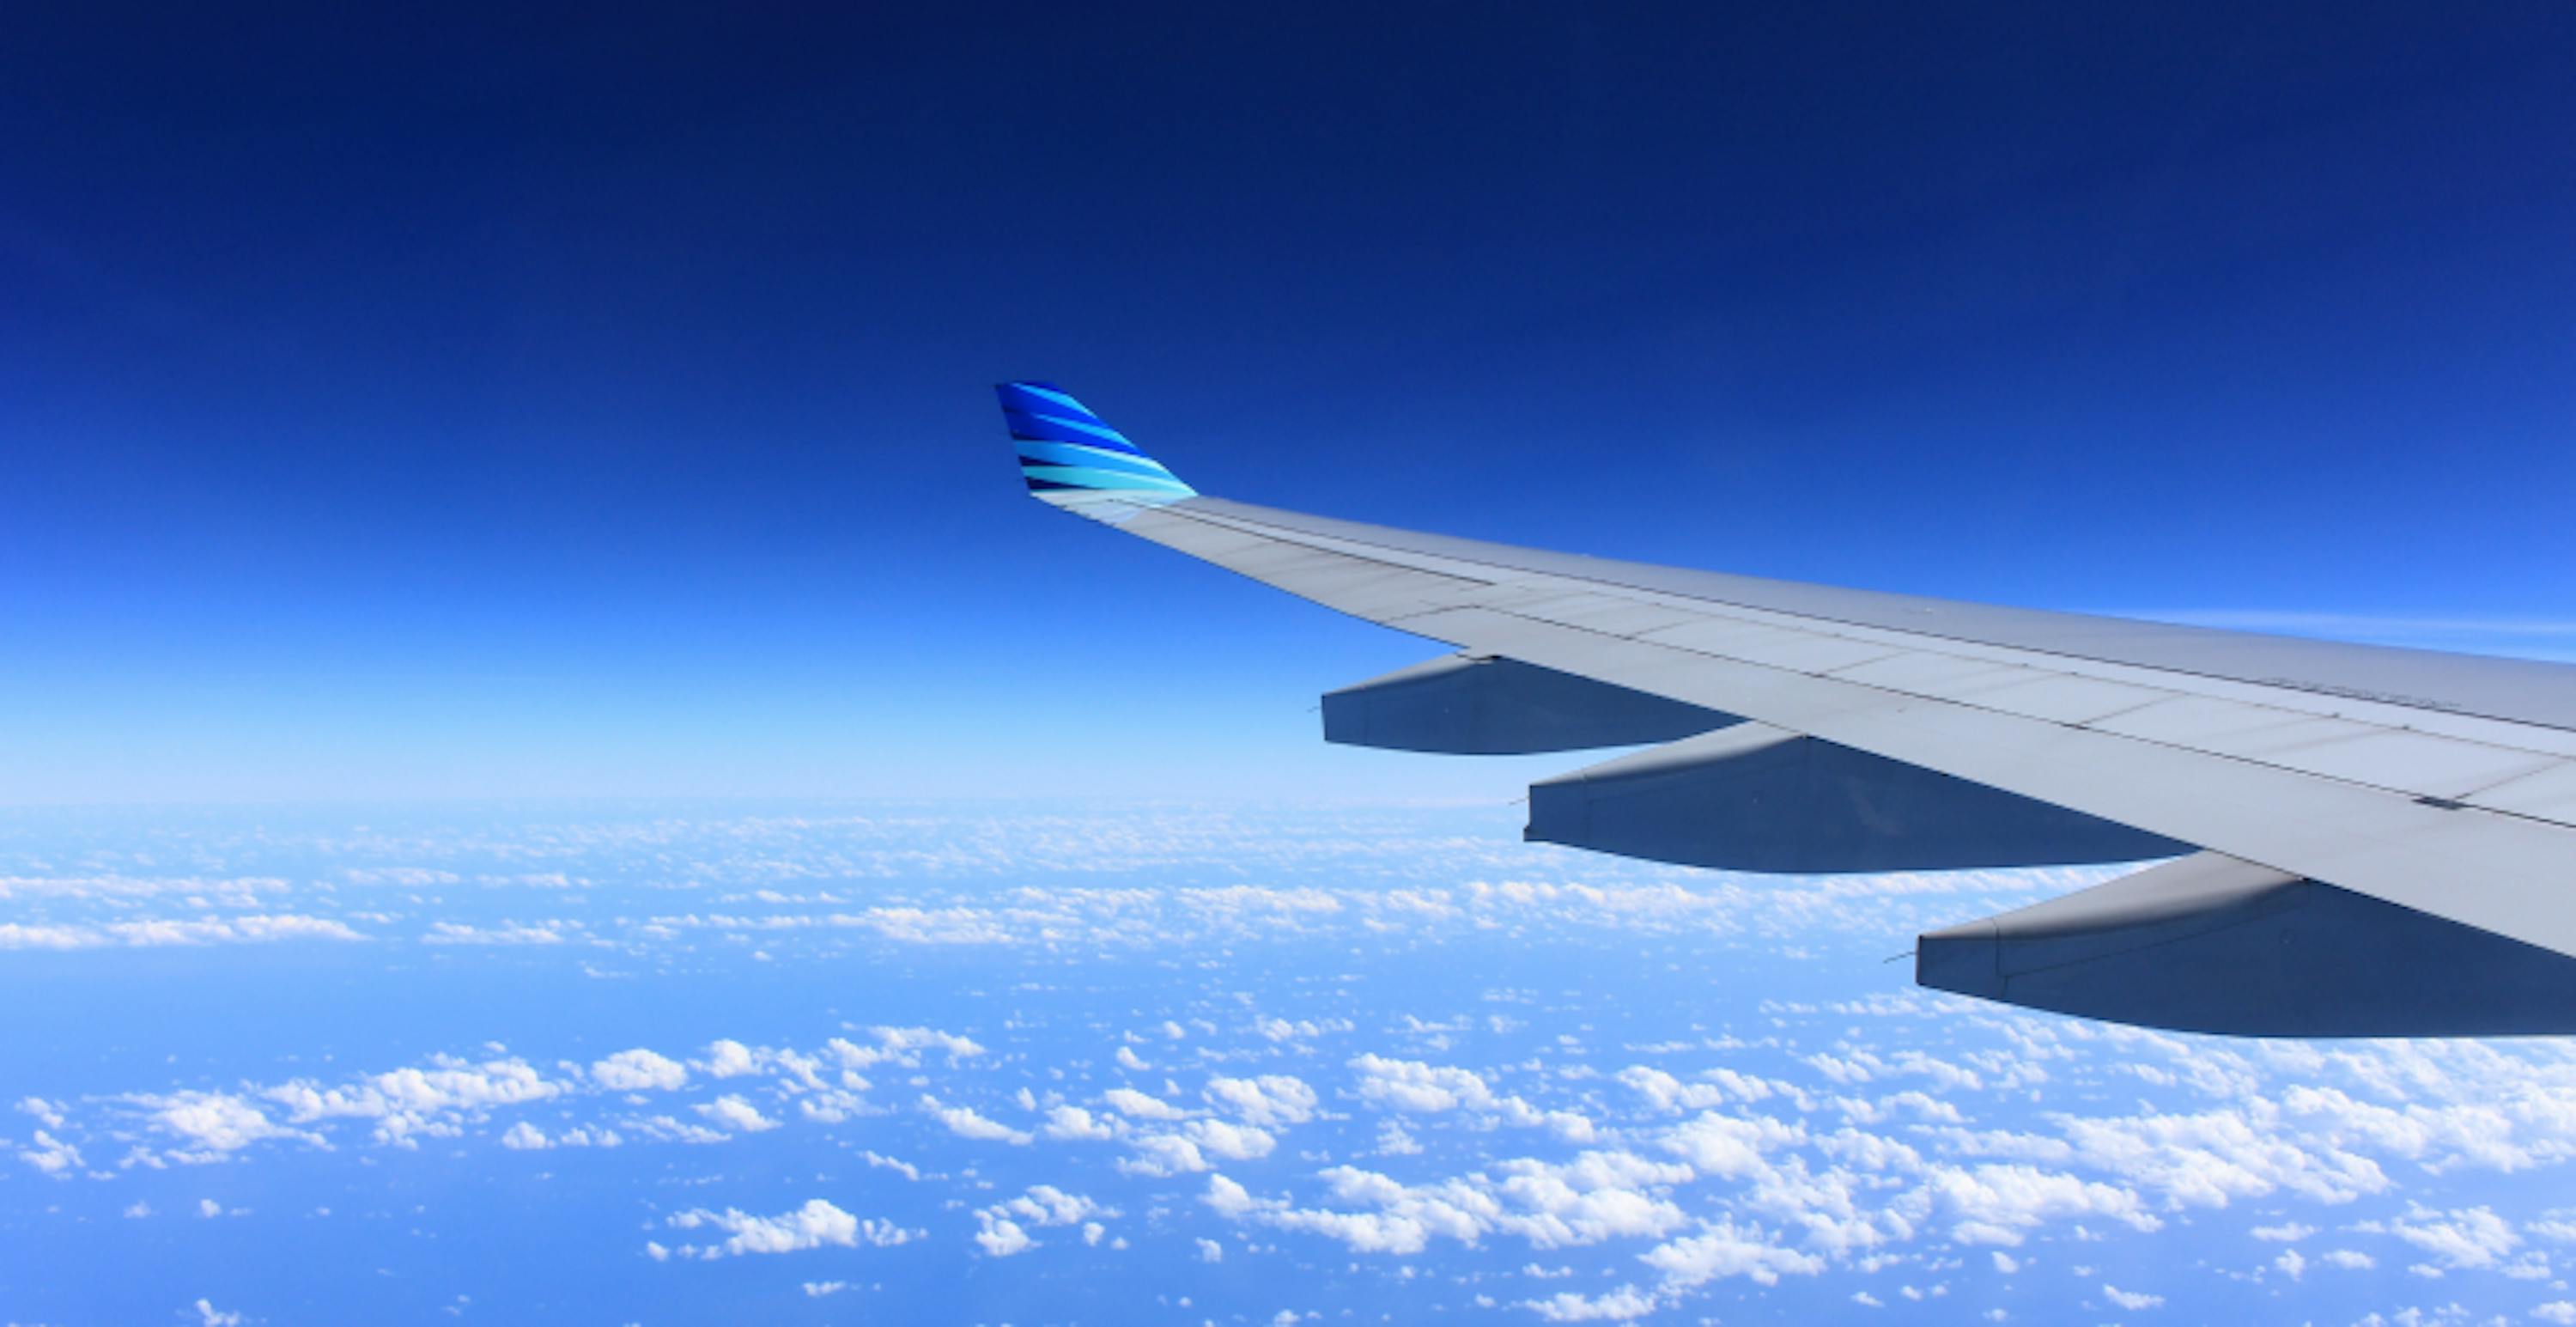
(481, 404)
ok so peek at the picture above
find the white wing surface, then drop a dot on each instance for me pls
(2379, 840)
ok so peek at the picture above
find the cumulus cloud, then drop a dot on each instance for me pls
(640, 1070)
(210, 1124)
(1003, 1228)
(731, 1059)
(2465, 1238)
(1595, 1197)
(1620, 1305)
(257, 928)
(1075, 1122)
(1129, 1102)
(966, 1122)
(2133, 1301)
(737, 1114)
(902, 1046)
(1269, 1099)
(816, 1224)
(1724, 1249)
(507, 933)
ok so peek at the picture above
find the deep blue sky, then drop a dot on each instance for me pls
(428, 404)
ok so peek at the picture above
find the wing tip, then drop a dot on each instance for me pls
(1066, 451)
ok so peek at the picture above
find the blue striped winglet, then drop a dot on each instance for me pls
(1066, 451)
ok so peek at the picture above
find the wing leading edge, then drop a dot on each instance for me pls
(2374, 820)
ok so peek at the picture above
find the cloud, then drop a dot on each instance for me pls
(730, 1059)
(2471, 1238)
(902, 1046)
(507, 933)
(639, 1070)
(1412, 1085)
(1269, 1099)
(812, 1226)
(1231, 1142)
(1003, 1227)
(1596, 1197)
(210, 1316)
(267, 928)
(964, 1122)
(2133, 1301)
(904, 1168)
(1070, 1122)
(1136, 1105)
(736, 1114)
(1620, 1305)
(2000, 1204)
(51, 1155)
(1724, 1249)
(210, 1124)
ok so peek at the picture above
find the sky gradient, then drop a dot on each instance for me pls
(483, 405)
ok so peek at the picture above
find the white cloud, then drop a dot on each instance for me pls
(1001, 1237)
(902, 1046)
(2473, 1237)
(1133, 1104)
(1269, 1100)
(1724, 1249)
(2133, 1301)
(1412, 1085)
(1070, 1122)
(1231, 1142)
(209, 1124)
(639, 1070)
(965, 1122)
(1620, 1305)
(257, 928)
(507, 933)
(1163, 1155)
(210, 1316)
(731, 1059)
(51, 1155)
(1596, 1197)
(812, 1226)
(1999, 1204)
(737, 1114)
(881, 1162)
(1003, 1227)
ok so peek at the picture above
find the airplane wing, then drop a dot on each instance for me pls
(2362, 840)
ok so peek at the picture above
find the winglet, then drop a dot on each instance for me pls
(1066, 452)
